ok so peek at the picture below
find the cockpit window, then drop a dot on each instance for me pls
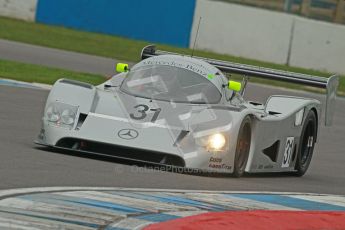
(168, 83)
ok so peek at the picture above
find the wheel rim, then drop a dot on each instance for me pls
(243, 147)
(308, 143)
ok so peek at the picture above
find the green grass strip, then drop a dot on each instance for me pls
(40, 74)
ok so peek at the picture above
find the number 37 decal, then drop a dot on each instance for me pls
(142, 111)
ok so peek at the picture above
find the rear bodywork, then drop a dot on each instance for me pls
(104, 123)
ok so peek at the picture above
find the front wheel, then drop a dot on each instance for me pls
(242, 147)
(306, 144)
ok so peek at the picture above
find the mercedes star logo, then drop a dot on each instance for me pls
(128, 134)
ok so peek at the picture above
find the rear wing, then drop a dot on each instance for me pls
(330, 84)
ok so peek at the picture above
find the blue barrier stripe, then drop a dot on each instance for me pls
(115, 228)
(167, 22)
(133, 195)
(86, 202)
(158, 217)
(112, 206)
(148, 197)
(86, 224)
(174, 200)
(186, 201)
(291, 202)
(63, 204)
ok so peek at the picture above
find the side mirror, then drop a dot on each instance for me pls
(121, 67)
(235, 86)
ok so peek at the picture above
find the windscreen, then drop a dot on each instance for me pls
(170, 83)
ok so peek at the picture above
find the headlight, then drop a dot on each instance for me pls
(61, 114)
(67, 117)
(216, 142)
(53, 114)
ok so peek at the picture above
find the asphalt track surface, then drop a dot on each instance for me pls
(22, 164)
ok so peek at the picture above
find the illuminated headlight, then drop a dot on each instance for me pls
(299, 117)
(61, 114)
(215, 142)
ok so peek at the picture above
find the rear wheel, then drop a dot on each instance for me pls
(306, 144)
(242, 147)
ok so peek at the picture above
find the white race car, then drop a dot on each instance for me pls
(183, 111)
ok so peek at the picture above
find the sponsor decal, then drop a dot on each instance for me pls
(216, 160)
(128, 134)
(219, 166)
(186, 65)
(215, 163)
(288, 152)
(196, 69)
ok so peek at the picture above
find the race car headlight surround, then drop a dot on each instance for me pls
(215, 142)
(61, 114)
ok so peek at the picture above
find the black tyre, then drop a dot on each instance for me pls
(306, 144)
(243, 147)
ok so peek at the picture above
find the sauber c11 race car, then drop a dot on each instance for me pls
(184, 112)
